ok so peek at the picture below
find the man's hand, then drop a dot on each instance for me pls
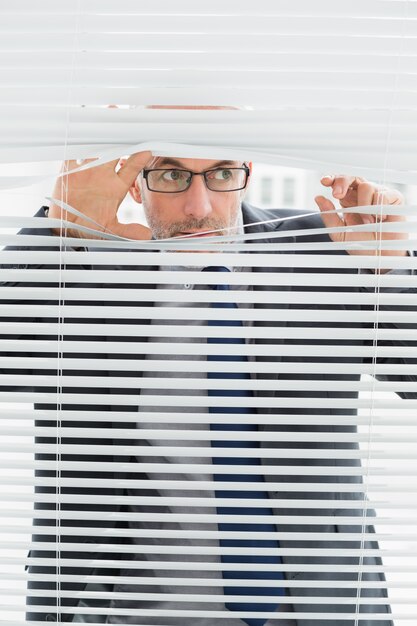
(355, 192)
(97, 193)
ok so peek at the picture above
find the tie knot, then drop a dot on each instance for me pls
(217, 268)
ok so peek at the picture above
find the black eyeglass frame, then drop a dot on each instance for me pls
(244, 167)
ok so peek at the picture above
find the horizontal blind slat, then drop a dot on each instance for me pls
(136, 258)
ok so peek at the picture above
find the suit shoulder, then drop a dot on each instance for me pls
(290, 219)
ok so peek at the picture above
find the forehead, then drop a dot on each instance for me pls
(196, 165)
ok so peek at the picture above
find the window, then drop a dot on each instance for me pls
(266, 191)
(288, 192)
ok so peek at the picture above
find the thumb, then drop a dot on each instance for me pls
(331, 220)
(131, 168)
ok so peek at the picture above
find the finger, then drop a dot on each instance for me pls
(133, 166)
(386, 195)
(365, 197)
(331, 220)
(365, 194)
(131, 231)
(341, 184)
(327, 181)
(369, 194)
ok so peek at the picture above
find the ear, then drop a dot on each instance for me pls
(135, 192)
(250, 166)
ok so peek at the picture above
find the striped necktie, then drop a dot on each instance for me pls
(251, 532)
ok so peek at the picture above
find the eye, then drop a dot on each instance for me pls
(174, 175)
(221, 174)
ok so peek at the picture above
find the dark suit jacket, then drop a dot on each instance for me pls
(319, 558)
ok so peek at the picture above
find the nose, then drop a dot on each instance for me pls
(197, 199)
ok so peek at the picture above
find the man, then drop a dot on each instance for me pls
(184, 198)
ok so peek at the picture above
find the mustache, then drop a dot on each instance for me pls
(205, 224)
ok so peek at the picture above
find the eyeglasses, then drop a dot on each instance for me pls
(177, 180)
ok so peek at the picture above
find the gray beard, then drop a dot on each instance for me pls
(166, 231)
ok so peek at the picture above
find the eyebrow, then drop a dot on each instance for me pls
(176, 163)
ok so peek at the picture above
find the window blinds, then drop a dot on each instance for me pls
(109, 339)
(114, 359)
(316, 85)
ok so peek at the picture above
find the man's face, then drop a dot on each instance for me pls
(195, 210)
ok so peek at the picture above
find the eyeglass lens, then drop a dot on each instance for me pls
(175, 180)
